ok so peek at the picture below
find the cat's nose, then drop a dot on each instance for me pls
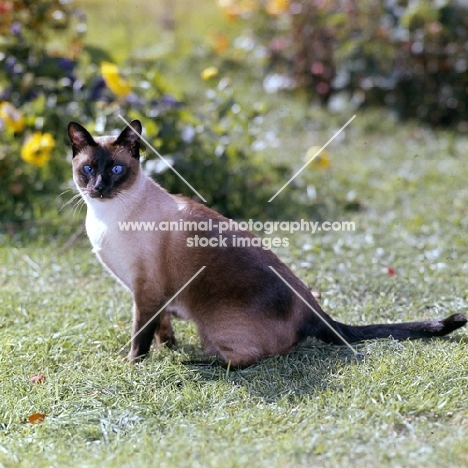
(100, 186)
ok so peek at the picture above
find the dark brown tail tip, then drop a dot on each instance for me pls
(453, 322)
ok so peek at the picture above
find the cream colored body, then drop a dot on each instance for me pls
(245, 303)
(128, 253)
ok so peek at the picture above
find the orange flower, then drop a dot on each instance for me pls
(277, 7)
(221, 42)
(235, 8)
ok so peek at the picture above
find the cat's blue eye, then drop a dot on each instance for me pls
(88, 170)
(117, 170)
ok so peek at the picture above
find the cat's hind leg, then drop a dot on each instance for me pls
(242, 340)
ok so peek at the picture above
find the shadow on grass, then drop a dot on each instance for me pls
(309, 368)
(312, 367)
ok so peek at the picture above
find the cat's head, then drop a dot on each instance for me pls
(105, 166)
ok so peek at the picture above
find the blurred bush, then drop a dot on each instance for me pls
(214, 147)
(48, 78)
(39, 44)
(408, 55)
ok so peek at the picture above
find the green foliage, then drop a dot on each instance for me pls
(50, 78)
(38, 45)
(409, 56)
(214, 149)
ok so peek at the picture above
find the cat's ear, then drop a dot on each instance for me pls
(130, 138)
(80, 138)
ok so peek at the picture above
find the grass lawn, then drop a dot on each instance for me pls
(396, 404)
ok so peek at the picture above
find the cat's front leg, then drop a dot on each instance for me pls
(165, 334)
(147, 317)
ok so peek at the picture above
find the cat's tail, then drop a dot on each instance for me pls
(340, 333)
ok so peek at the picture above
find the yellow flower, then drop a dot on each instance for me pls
(209, 72)
(12, 118)
(321, 161)
(276, 7)
(37, 148)
(114, 81)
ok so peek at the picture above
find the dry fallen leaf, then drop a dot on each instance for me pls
(38, 378)
(36, 418)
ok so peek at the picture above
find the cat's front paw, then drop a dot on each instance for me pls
(133, 358)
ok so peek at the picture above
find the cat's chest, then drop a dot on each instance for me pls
(111, 245)
(102, 228)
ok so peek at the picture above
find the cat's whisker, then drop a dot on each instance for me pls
(65, 191)
(80, 208)
(77, 207)
(77, 212)
(72, 199)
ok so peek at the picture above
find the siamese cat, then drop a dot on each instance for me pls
(245, 302)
